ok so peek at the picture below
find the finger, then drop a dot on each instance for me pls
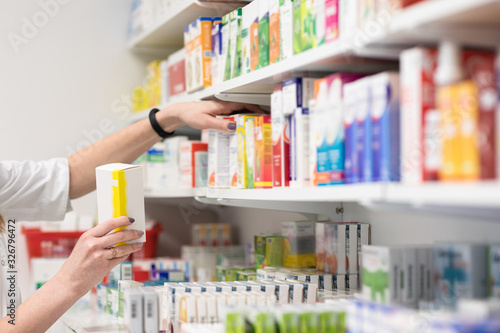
(220, 124)
(105, 227)
(122, 251)
(120, 236)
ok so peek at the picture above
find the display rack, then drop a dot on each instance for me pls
(168, 32)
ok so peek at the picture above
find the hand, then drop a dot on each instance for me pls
(92, 256)
(201, 115)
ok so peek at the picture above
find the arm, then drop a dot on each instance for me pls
(128, 144)
(89, 262)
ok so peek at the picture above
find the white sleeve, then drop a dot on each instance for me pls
(31, 191)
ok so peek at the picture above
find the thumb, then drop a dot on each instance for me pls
(222, 124)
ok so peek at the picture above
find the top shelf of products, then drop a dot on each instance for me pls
(169, 30)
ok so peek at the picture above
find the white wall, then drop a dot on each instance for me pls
(62, 80)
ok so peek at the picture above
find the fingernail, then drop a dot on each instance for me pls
(131, 219)
(140, 233)
(231, 126)
(139, 245)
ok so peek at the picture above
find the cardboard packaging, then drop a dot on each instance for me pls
(381, 271)
(177, 73)
(164, 82)
(303, 25)
(188, 162)
(254, 39)
(198, 45)
(155, 167)
(319, 17)
(494, 271)
(351, 107)
(250, 152)
(348, 19)
(320, 233)
(263, 153)
(250, 18)
(120, 192)
(297, 92)
(332, 20)
(150, 309)
(172, 160)
(154, 83)
(263, 33)
(281, 157)
(299, 148)
(274, 31)
(459, 272)
(385, 117)
(459, 110)
(219, 157)
(298, 244)
(328, 128)
(365, 131)
(225, 63)
(335, 248)
(286, 29)
(239, 175)
(216, 50)
(235, 42)
(133, 310)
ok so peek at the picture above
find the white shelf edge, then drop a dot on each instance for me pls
(484, 194)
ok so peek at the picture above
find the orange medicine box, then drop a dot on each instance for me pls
(460, 155)
(263, 153)
(198, 46)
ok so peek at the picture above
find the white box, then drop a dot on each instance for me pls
(133, 310)
(299, 148)
(335, 262)
(172, 160)
(351, 248)
(250, 16)
(151, 308)
(120, 192)
(348, 20)
(297, 93)
(286, 29)
(156, 167)
(219, 157)
(381, 270)
(409, 276)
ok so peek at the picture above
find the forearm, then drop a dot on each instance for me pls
(124, 146)
(44, 307)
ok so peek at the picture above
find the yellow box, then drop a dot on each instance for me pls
(459, 131)
(241, 159)
(120, 192)
(198, 46)
(154, 83)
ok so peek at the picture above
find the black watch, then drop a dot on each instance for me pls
(156, 126)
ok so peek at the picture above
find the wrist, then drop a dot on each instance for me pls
(73, 289)
(169, 118)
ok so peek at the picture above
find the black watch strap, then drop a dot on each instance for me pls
(156, 126)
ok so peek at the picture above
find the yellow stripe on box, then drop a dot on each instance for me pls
(119, 198)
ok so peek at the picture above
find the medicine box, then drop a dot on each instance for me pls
(120, 192)
(381, 271)
(335, 262)
(274, 31)
(297, 92)
(250, 152)
(299, 148)
(281, 144)
(188, 162)
(351, 163)
(250, 22)
(298, 244)
(263, 170)
(238, 151)
(177, 73)
(385, 115)
(198, 45)
(286, 29)
(459, 272)
(494, 271)
(364, 130)
(263, 33)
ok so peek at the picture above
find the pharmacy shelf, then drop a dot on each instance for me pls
(169, 32)
(339, 193)
(467, 194)
(469, 22)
